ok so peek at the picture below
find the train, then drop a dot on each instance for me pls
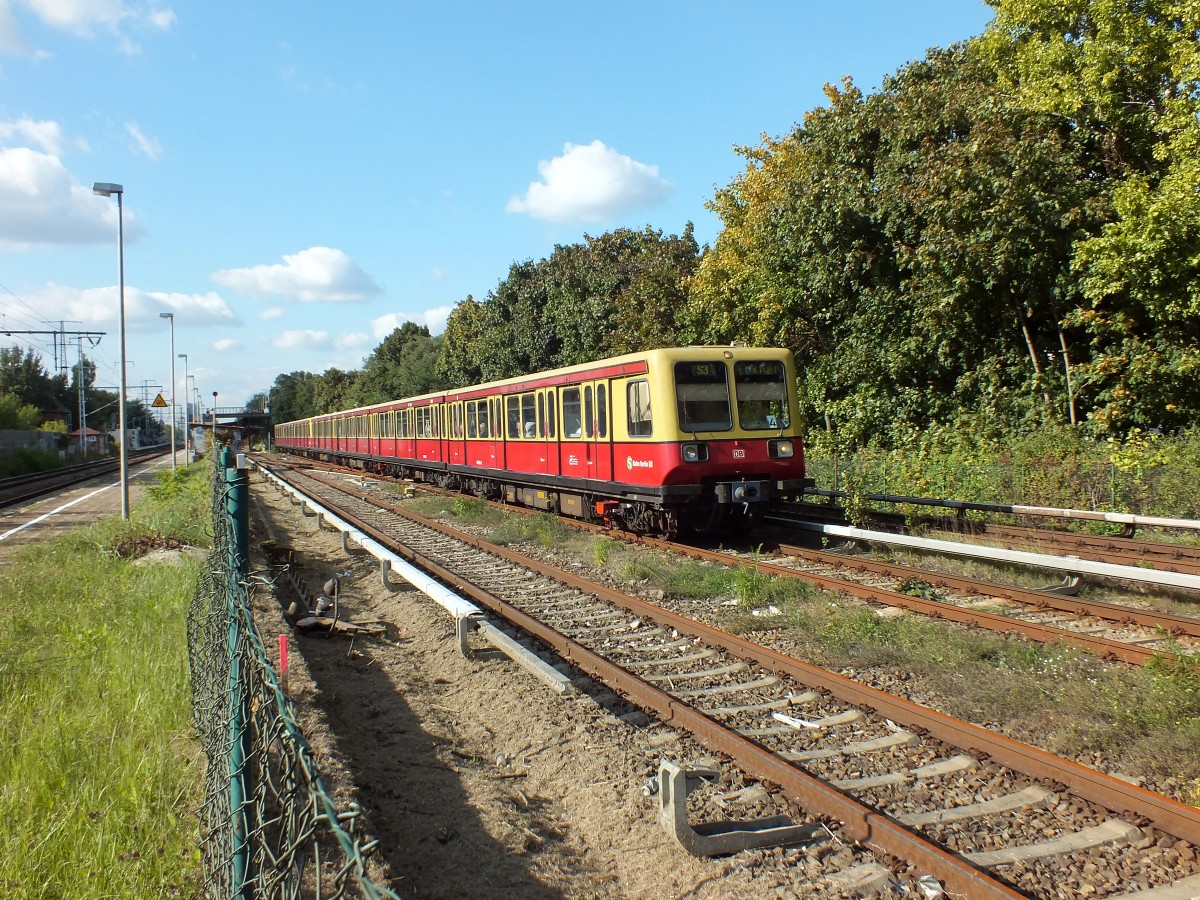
(660, 442)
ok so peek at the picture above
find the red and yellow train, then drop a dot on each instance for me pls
(654, 442)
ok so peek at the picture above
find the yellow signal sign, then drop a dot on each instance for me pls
(159, 402)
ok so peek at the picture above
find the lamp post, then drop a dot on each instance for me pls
(171, 316)
(186, 424)
(107, 189)
(214, 435)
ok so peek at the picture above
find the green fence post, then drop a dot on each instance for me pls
(237, 502)
(236, 485)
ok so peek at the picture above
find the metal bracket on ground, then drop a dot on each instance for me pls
(718, 838)
(1068, 587)
(350, 551)
(385, 570)
(522, 656)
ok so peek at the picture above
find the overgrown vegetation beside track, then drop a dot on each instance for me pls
(1145, 474)
(99, 772)
(1142, 722)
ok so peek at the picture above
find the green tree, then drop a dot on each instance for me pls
(611, 294)
(18, 416)
(911, 247)
(22, 373)
(292, 397)
(1126, 77)
(403, 365)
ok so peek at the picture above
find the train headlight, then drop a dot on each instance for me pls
(782, 449)
(694, 452)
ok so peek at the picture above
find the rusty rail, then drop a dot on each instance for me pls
(872, 828)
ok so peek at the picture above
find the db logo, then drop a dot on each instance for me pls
(739, 454)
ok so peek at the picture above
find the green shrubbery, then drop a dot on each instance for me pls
(1058, 466)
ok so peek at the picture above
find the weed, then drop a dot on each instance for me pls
(915, 587)
(603, 548)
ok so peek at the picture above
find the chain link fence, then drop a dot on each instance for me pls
(268, 827)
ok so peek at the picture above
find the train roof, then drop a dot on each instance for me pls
(616, 366)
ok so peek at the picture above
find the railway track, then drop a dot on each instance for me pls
(986, 816)
(23, 488)
(1131, 634)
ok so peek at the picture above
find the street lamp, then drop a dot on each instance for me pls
(186, 423)
(171, 316)
(107, 189)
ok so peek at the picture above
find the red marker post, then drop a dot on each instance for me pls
(283, 663)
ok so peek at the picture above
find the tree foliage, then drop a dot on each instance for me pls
(1126, 77)
(909, 246)
(611, 294)
(23, 375)
(1007, 232)
(16, 415)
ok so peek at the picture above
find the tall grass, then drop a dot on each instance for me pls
(99, 775)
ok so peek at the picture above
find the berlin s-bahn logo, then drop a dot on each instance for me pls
(631, 463)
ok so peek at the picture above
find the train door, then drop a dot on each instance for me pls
(456, 438)
(492, 430)
(574, 449)
(404, 434)
(547, 431)
(596, 419)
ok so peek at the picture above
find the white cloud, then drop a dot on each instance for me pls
(42, 203)
(47, 135)
(149, 147)
(434, 319)
(355, 340)
(99, 309)
(83, 19)
(590, 183)
(303, 340)
(274, 312)
(227, 345)
(318, 274)
(321, 341)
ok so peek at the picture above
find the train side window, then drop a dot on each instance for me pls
(482, 411)
(528, 416)
(435, 418)
(472, 420)
(550, 416)
(589, 420)
(572, 426)
(512, 406)
(641, 423)
(602, 410)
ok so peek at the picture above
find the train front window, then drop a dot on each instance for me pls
(762, 396)
(702, 395)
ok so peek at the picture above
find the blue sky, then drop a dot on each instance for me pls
(301, 178)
